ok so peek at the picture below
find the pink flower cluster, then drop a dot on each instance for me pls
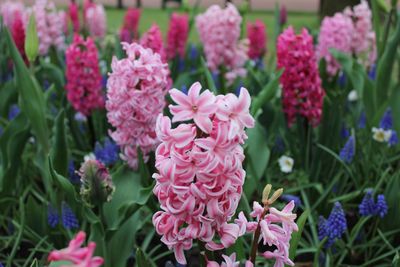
(75, 254)
(276, 230)
(136, 95)
(83, 75)
(178, 33)
(129, 30)
(153, 39)
(257, 39)
(200, 174)
(349, 32)
(73, 14)
(18, 34)
(219, 31)
(10, 10)
(49, 25)
(96, 20)
(336, 32)
(302, 93)
(229, 262)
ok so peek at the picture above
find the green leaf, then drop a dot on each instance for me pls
(141, 259)
(63, 183)
(385, 67)
(31, 39)
(266, 94)
(60, 263)
(33, 104)
(209, 78)
(59, 153)
(297, 235)
(257, 149)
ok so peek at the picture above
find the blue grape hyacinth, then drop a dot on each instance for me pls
(73, 176)
(52, 216)
(348, 151)
(333, 227)
(108, 153)
(362, 121)
(68, 217)
(13, 112)
(369, 207)
(386, 124)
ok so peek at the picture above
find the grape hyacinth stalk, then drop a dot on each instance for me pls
(136, 93)
(302, 93)
(83, 76)
(199, 175)
(76, 254)
(368, 207)
(334, 227)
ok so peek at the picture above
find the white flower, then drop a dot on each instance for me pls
(89, 156)
(381, 135)
(353, 96)
(286, 164)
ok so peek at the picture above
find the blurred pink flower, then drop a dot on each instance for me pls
(129, 30)
(153, 39)
(73, 13)
(18, 34)
(257, 39)
(302, 93)
(199, 169)
(178, 33)
(219, 31)
(349, 32)
(77, 255)
(136, 93)
(96, 21)
(49, 25)
(83, 75)
(10, 10)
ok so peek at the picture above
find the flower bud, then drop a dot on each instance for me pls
(275, 196)
(97, 186)
(265, 194)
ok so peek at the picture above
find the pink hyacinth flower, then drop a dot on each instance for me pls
(257, 39)
(194, 106)
(178, 34)
(153, 39)
(96, 21)
(77, 255)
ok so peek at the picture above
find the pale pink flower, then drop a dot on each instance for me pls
(229, 262)
(96, 20)
(136, 95)
(10, 10)
(194, 106)
(77, 255)
(219, 31)
(199, 170)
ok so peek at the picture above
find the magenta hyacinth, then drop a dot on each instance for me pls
(129, 30)
(178, 33)
(199, 175)
(257, 39)
(219, 31)
(49, 25)
(83, 75)
(76, 254)
(153, 39)
(302, 93)
(136, 93)
(73, 15)
(349, 32)
(96, 21)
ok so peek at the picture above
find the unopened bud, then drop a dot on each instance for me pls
(265, 194)
(275, 196)
(97, 186)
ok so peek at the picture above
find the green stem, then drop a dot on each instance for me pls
(254, 245)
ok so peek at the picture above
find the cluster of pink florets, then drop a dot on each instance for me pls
(136, 95)
(77, 255)
(257, 39)
(129, 30)
(73, 16)
(200, 174)
(49, 25)
(153, 39)
(219, 31)
(96, 20)
(276, 230)
(349, 32)
(178, 33)
(83, 75)
(302, 93)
